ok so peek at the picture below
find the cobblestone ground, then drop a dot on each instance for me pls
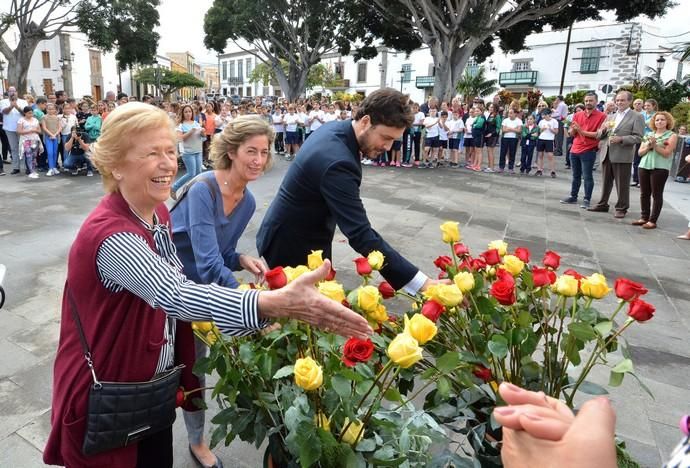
(39, 219)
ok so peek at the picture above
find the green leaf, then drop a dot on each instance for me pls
(582, 331)
(615, 379)
(392, 394)
(644, 387)
(365, 371)
(498, 346)
(572, 352)
(284, 372)
(448, 361)
(604, 328)
(443, 387)
(524, 319)
(626, 365)
(365, 445)
(591, 388)
(342, 386)
(588, 314)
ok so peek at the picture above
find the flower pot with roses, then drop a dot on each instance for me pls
(321, 400)
(516, 320)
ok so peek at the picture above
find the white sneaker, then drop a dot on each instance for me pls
(89, 174)
(33, 175)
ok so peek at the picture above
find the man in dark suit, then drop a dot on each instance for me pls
(622, 131)
(321, 190)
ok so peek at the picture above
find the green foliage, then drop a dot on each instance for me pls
(576, 97)
(475, 84)
(169, 81)
(319, 75)
(681, 113)
(125, 26)
(666, 94)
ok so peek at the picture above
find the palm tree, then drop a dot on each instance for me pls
(475, 84)
(666, 94)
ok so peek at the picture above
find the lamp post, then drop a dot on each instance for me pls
(66, 66)
(158, 79)
(660, 62)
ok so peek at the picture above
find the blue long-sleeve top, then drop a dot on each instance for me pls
(206, 239)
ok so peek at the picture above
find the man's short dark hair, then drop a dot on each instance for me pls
(560, 97)
(591, 93)
(41, 100)
(59, 94)
(386, 107)
(121, 95)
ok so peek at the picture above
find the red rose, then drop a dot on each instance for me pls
(386, 290)
(363, 267)
(542, 276)
(443, 262)
(432, 310)
(179, 397)
(442, 275)
(461, 250)
(276, 278)
(346, 304)
(356, 350)
(491, 257)
(477, 264)
(503, 275)
(551, 260)
(504, 292)
(522, 253)
(628, 290)
(641, 310)
(482, 372)
(331, 275)
(573, 273)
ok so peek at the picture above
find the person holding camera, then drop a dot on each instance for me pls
(78, 150)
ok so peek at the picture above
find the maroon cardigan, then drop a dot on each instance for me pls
(124, 333)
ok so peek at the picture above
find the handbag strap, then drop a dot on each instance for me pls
(82, 338)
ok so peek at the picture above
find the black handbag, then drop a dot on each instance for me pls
(123, 413)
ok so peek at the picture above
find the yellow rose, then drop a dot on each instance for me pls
(451, 232)
(375, 259)
(368, 298)
(203, 327)
(320, 420)
(244, 287)
(595, 286)
(211, 338)
(404, 350)
(354, 432)
(379, 315)
(513, 264)
(420, 328)
(464, 281)
(565, 285)
(293, 273)
(332, 290)
(499, 245)
(315, 259)
(308, 374)
(432, 292)
(449, 295)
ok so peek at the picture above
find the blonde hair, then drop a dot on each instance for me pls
(670, 121)
(122, 124)
(235, 133)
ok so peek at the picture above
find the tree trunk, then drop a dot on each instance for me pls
(18, 64)
(449, 67)
(294, 83)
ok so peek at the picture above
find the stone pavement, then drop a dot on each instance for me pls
(39, 219)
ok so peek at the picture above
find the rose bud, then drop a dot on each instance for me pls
(551, 260)
(432, 310)
(522, 253)
(179, 397)
(386, 290)
(443, 262)
(356, 350)
(491, 257)
(363, 267)
(504, 292)
(641, 310)
(331, 275)
(482, 373)
(461, 250)
(503, 275)
(478, 264)
(276, 278)
(628, 290)
(542, 277)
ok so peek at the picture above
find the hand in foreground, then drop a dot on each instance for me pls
(302, 301)
(687, 158)
(539, 431)
(253, 265)
(615, 139)
(430, 282)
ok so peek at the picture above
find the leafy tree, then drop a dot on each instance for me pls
(681, 113)
(319, 75)
(296, 32)
(168, 81)
(125, 25)
(666, 94)
(455, 30)
(576, 97)
(476, 84)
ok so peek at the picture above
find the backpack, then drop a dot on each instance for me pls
(184, 190)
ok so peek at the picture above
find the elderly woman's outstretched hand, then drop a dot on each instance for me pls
(302, 301)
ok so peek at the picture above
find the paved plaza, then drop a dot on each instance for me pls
(39, 219)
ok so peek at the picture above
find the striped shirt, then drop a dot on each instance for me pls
(125, 261)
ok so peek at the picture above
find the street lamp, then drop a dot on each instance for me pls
(158, 79)
(66, 65)
(660, 62)
(65, 61)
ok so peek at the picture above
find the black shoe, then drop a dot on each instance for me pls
(634, 184)
(15, 171)
(569, 201)
(599, 208)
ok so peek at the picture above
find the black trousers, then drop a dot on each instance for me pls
(156, 451)
(652, 183)
(279, 143)
(5, 143)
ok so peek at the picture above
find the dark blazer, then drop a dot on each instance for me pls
(631, 129)
(320, 190)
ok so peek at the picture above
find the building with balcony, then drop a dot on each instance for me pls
(236, 66)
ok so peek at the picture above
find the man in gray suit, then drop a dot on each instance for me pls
(622, 131)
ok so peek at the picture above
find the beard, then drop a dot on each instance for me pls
(367, 147)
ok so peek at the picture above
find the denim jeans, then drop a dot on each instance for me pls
(192, 162)
(13, 138)
(51, 145)
(65, 153)
(582, 165)
(74, 161)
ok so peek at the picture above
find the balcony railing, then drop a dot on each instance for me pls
(235, 81)
(339, 84)
(424, 82)
(528, 77)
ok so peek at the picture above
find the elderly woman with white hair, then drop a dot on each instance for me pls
(127, 300)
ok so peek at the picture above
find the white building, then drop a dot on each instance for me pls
(236, 65)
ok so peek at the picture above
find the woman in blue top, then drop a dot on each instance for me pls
(208, 222)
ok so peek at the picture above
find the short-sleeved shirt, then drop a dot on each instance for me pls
(194, 143)
(511, 123)
(544, 126)
(9, 121)
(588, 123)
(291, 121)
(432, 126)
